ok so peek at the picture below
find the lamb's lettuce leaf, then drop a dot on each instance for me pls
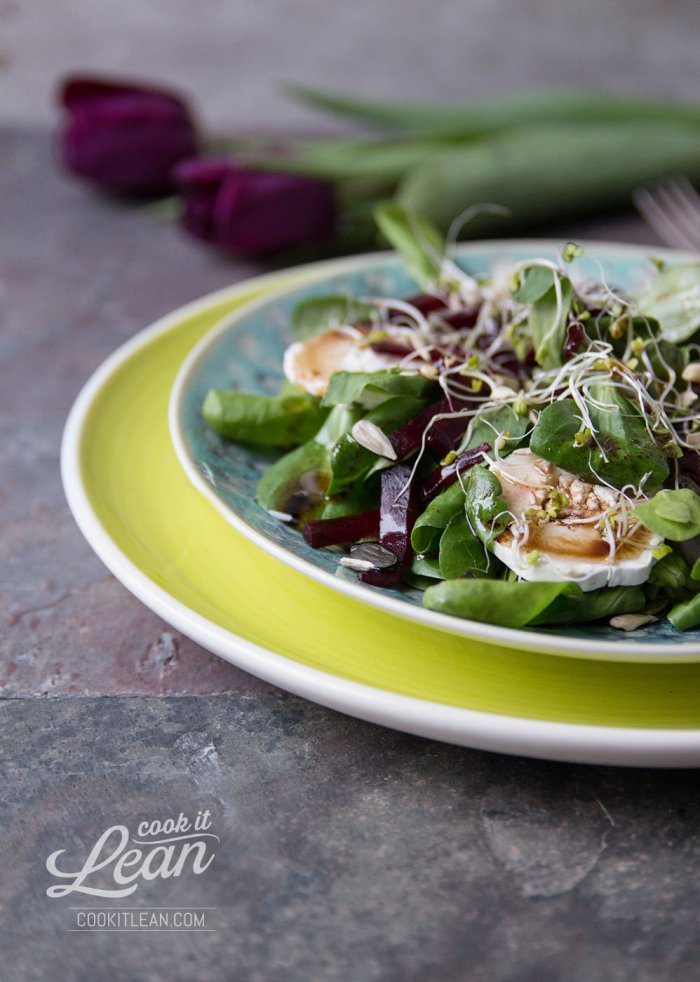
(430, 524)
(295, 481)
(370, 389)
(549, 311)
(267, 421)
(494, 423)
(351, 462)
(686, 615)
(487, 511)
(628, 452)
(462, 553)
(593, 606)
(673, 514)
(510, 604)
(673, 299)
(316, 314)
(304, 474)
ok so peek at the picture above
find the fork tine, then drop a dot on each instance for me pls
(689, 200)
(681, 201)
(654, 209)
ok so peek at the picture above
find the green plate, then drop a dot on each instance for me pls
(172, 549)
(245, 352)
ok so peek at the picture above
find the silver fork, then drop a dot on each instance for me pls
(672, 209)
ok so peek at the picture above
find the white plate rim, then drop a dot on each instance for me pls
(625, 650)
(553, 740)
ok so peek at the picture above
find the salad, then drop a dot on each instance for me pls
(522, 447)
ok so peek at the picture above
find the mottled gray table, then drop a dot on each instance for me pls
(346, 851)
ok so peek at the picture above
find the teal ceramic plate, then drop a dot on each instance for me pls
(245, 352)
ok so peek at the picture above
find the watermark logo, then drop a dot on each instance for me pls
(120, 862)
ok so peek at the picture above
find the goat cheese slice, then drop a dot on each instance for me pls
(573, 546)
(310, 364)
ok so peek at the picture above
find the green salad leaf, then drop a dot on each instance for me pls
(671, 573)
(502, 422)
(536, 281)
(593, 606)
(351, 462)
(686, 615)
(429, 526)
(316, 314)
(673, 299)
(370, 389)
(268, 421)
(297, 479)
(549, 312)
(487, 511)
(462, 553)
(673, 514)
(628, 452)
(510, 604)
(304, 475)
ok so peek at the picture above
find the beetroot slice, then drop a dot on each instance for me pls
(397, 515)
(339, 531)
(392, 346)
(462, 319)
(442, 435)
(442, 477)
(426, 303)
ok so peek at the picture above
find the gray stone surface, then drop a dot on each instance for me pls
(233, 57)
(347, 851)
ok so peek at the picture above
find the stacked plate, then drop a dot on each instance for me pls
(172, 512)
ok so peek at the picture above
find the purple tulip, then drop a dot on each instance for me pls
(254, 213)
(124, 138)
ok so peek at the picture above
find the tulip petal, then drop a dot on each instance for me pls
(124, 138)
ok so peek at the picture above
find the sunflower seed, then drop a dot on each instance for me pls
(691, 372)
(361, 565)
(630, 622)
(372, 552)
(372, 438)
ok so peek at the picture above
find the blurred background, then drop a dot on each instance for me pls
(232, 56)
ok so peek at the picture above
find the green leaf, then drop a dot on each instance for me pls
(593, 606)
(488, 427)
(436, 517)
(426, 566)
(378, 163)
(673, 514)
(547, 106)
(630, 451)
(296, 482)
(419, 243)
(316, 314)
(267, 421)
(536, 281)
(673, 299)
(353, 501)
(461, 553)
(351, 462)
(510, 604)
(686, 615)
(548, 318)
(670, 573)
(370, 389)
(530, 170)
(487, 511)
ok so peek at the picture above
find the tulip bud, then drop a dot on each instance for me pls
(125, 138)
(254, 213)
